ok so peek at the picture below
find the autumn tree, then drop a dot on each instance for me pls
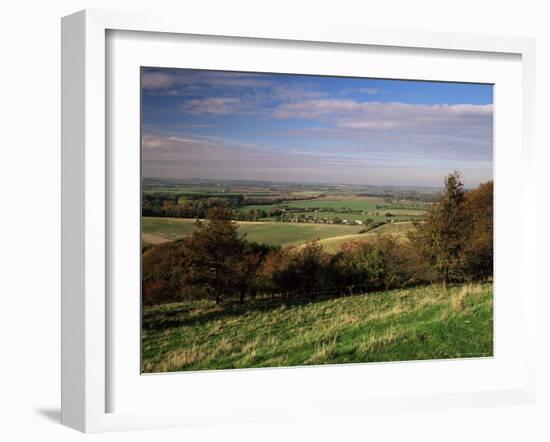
(162, 271)
(270, 271)
(441, 239)
(478, 250)
(214, 256)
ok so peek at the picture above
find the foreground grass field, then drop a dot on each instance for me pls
(156, 230)
(410, 324)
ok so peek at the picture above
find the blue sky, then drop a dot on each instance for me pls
(297, 128)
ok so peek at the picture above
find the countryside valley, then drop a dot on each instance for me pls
(241, 274)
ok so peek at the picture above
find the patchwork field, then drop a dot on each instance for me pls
(276, 233)
(408, 324)
(340, 202)
(351, 208)
(331, 236)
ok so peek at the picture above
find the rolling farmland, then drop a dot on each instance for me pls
(331, 236)
(279, 234)
(289, 215)
(351, 208)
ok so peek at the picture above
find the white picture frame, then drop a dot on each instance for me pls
(86, 317)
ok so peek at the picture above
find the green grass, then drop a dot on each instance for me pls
(275, 233)
(409, 324)
(292, 234)
(169, 228)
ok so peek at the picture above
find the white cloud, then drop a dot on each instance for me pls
(314, 109)
(213, 105)
(157, 80)
(459, 132)
(466, 128)
(350, 110)
(184, 82)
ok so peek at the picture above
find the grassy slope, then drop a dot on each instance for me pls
(411, 324)
(334, 244)
(269, 232)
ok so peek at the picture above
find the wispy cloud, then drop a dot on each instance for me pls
(153, 81)
(348, 110)
(179, 82)
(254, 87)
(213, 106)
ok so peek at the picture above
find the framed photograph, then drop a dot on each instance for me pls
(292, 220)
(262, 222)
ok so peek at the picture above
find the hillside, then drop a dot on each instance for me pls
(335, 243)
(407, 324)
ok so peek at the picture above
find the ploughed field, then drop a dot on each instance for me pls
(407, 324)
(332, 236)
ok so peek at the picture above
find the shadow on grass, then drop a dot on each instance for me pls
(184, 314)
(181, 315)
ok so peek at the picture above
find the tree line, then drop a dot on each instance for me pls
(453, 244)
(182, 206)
(179, 205)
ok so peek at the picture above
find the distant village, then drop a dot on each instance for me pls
(288, 216)
(314, 220)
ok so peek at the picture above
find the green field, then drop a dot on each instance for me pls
(340, 206)
(275, 233)
(168, 228)
(409, 324)
(337, 203)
